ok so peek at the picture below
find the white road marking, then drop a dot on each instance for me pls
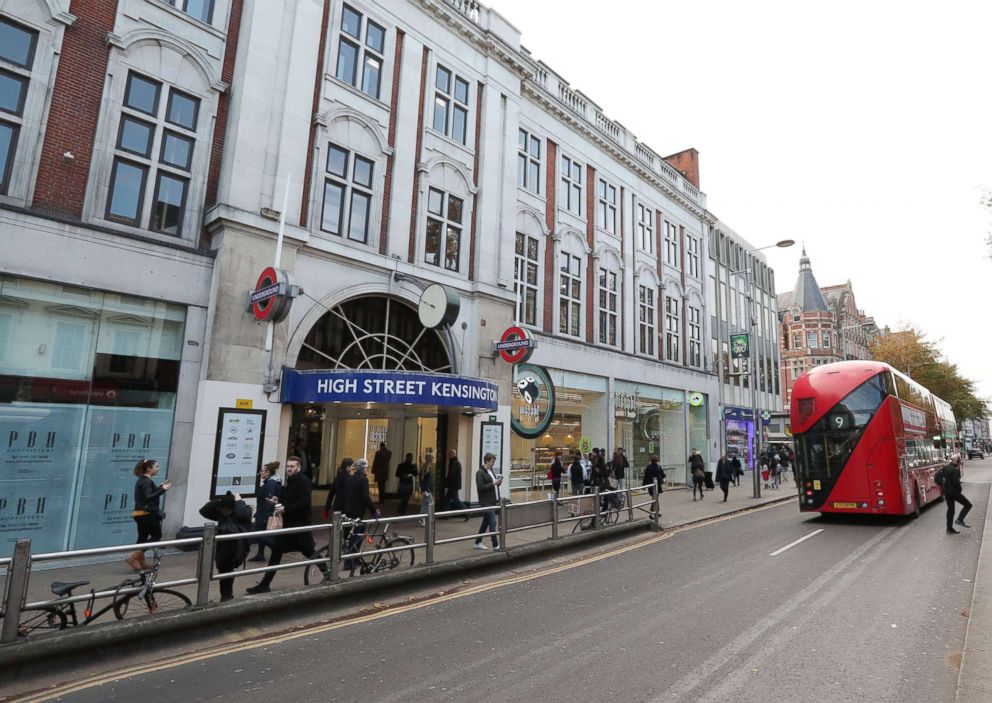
(790, 545)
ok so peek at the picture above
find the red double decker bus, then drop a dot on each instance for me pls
(868, 439)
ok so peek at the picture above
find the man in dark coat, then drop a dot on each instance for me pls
(380, 470)
(724, 475)
(295, 508)
(453, 481)
(735, 462)
(487, 485)
(233, 516)
(953, 494)
(576, 475)
(357, 501)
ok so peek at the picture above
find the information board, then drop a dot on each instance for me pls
(238, 451)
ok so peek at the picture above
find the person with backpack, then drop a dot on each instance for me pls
(335, 496)
(233, 516)
(949, 479)
(697, 469)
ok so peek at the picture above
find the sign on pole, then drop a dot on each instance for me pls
(740, 346)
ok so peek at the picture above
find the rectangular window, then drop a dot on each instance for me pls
(672, 244)
(17, 43)
(645, 229)
(811, 340)
(360, 60)
(347, 202)
(826, 340)
(672, 329)
(444, 229)
(67, 349)
(645, 320)
(169, 203)
(525, 271)
(450, 104)
(692, 256)
(8, 143)
(127, 191)
(607, 307)
(797, 340)
(569, 295)
(528, 161)
(146, 116)
(695, 337)
(606, 207)
(13, 91)
(17, 46)
(570, 194)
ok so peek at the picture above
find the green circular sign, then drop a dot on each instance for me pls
(533, 401)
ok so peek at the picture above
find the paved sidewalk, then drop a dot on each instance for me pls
(677, 508)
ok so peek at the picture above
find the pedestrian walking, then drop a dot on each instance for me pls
(576, 475)
(950, 482)
(406, 472)
(453, 484)
(626, 467)
(724, 475)
(269, 486)
(735, 462)
(555, 472)
(380, 470)
(294, 505)
(233, 516)
(697, 467)
(147, 514)
(335, 496)
(426, 485)
(618, 466)
(654, 475)
(487, 484)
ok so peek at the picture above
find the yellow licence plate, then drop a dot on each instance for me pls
(844, 505)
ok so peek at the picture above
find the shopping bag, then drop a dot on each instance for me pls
(274, 522)
(764, 475)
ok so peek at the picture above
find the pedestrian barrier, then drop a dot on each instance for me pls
(512, 517)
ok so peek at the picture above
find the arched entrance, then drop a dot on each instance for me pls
(374, 343)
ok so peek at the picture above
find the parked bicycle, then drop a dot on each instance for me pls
(372, 564)
(609, 511)
(134, 596)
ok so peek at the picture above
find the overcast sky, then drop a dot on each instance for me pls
(860, 128)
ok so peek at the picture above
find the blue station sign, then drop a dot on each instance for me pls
(396, 387)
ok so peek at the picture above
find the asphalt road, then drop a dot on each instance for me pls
(866, 610)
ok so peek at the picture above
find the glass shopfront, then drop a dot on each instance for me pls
(654, 421)
(88, 385)
(578, 419)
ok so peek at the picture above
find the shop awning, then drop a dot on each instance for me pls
(389, 387)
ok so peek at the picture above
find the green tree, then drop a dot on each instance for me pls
(909, 351)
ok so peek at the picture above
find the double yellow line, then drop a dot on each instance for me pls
(269, 640)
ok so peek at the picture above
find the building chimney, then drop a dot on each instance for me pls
(687, 163)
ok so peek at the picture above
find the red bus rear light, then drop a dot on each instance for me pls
(809, 493)
(880, 494)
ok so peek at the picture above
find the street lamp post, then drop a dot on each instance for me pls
(752, 372)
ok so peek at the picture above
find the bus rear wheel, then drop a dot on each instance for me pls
(916, 502)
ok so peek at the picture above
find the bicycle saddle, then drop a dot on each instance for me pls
(60, 589)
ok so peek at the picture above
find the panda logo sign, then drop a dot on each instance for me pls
(528, 389)
(534, 401)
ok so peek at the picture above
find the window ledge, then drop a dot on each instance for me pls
(356, 92)
(186, 17)
(462, 147)
(531, 194)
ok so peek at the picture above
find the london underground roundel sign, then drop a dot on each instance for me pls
(516, 345)
(270, 301)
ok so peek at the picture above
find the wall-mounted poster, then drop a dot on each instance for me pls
(238, 451)
(39, 453)
(116, 440)
(492, 441)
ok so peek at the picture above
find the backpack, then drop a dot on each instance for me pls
(938, 477)
(235, 551)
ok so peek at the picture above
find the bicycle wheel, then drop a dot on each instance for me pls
(401, 558)
(41, 620)
(313, 574)
(610, 516)
(160, 600)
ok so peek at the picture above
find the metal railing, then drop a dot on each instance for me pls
(511, 518)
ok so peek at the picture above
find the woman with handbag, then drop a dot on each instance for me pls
(147, 514)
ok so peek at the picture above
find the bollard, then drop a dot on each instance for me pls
(554, 517)
(502, 525)
(630, 504)
(17, 590)
(429, 526)
(595, 509)
(337, 539)
(204, 565)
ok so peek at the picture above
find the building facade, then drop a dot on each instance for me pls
(819, 326)
(154, 150)
(739, 277)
